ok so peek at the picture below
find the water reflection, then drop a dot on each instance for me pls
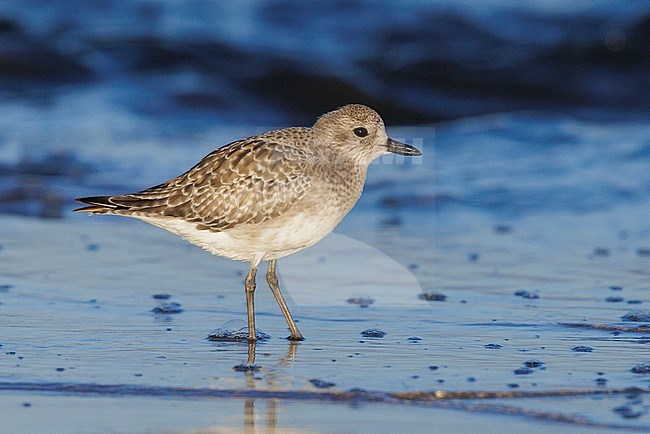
(269, 413)
(287, 360)
(269, 416)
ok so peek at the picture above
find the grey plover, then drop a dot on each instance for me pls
(267, 196)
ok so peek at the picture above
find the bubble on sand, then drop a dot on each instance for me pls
(167, 308)
(235, 330)
(373, 333)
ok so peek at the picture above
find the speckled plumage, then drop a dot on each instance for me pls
(266, 196)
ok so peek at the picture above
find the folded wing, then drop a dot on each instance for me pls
(248, 181)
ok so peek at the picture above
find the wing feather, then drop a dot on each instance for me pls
(248, 181)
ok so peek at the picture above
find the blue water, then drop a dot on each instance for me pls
(289, 61)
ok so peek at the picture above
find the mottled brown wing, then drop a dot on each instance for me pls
(248, 181)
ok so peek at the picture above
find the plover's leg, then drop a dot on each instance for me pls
(251, 352)
(250, 305)
(272, 280)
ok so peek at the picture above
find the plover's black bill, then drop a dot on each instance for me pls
(400, 148)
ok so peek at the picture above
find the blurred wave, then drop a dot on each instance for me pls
(414, 62)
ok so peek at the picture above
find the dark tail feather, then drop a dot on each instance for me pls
(98, 204)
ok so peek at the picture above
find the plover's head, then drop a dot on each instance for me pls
(358, 132)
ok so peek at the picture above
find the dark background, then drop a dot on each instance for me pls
(415, 62)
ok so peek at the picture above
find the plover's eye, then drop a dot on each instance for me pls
(360, 132)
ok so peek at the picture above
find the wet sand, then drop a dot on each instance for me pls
(78, 331)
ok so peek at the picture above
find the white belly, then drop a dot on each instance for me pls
(272, 239)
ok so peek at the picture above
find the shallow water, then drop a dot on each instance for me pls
(107, 414)
(77, 319)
